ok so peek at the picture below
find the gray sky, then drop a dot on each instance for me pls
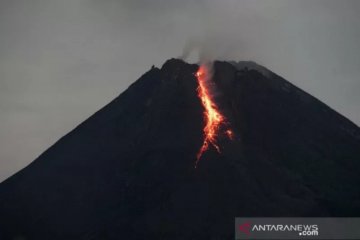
(62, 60)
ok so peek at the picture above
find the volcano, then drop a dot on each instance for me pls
(128, 172)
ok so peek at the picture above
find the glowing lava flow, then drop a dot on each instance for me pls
(213, 118)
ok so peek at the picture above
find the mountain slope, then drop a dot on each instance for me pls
(128, 171)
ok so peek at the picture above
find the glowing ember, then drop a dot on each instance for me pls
(213, 118)
(230, 134)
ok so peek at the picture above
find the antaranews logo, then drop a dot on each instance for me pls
(297, 228)
(301, 229)
(245, 228)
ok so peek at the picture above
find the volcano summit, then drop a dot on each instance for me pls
(128, 171)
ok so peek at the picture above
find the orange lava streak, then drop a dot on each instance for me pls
(213, 118)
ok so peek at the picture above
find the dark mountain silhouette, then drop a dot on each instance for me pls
(128, 171)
